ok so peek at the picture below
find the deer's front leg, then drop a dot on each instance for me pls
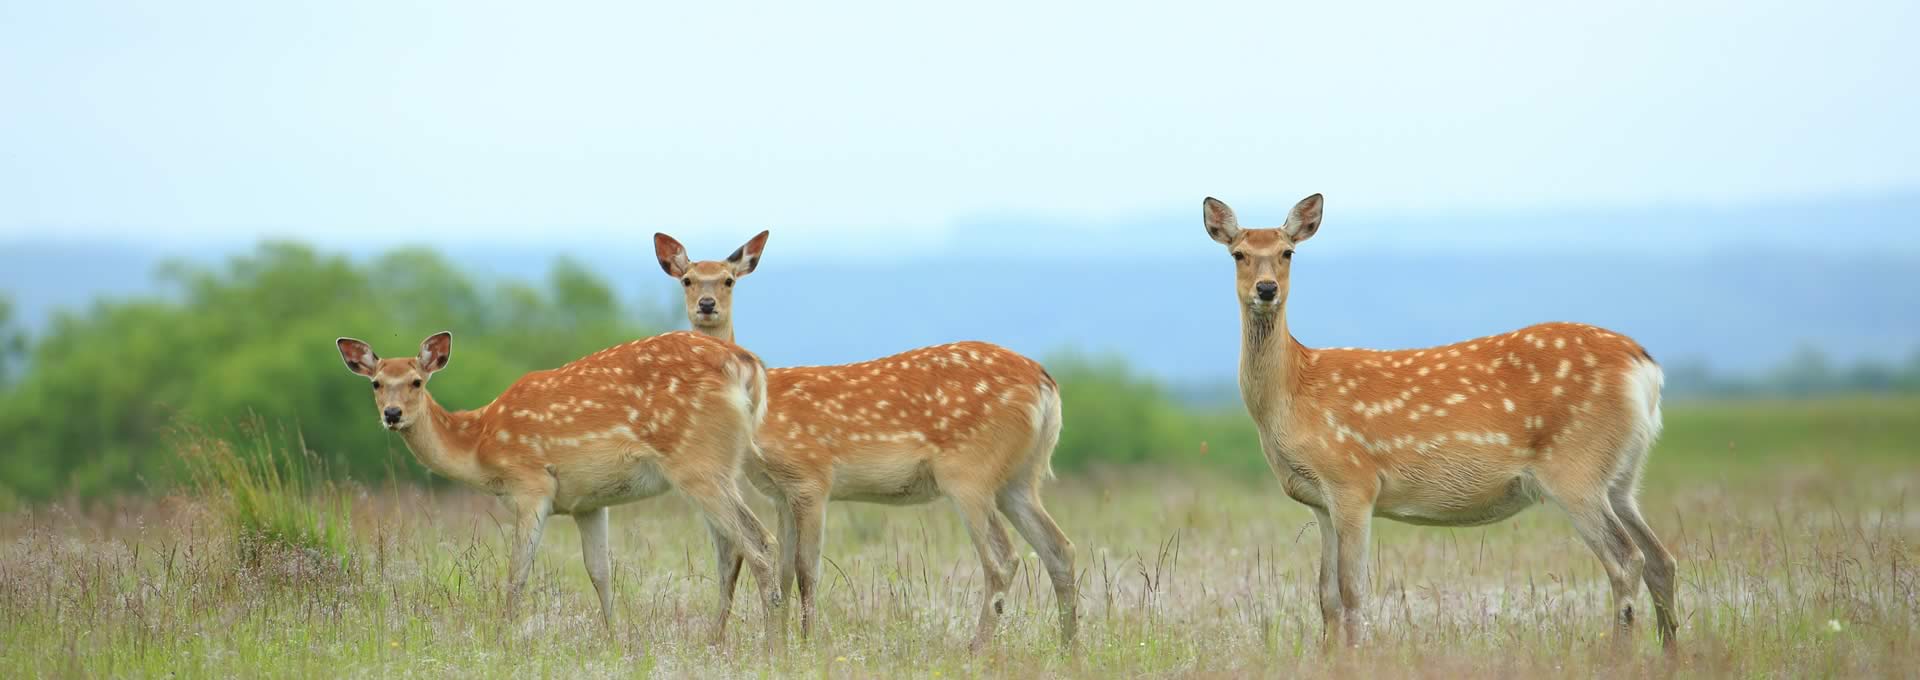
(593, 551)
(1352, 514)
(1308, 493)
(530, 518)
(1331, 609)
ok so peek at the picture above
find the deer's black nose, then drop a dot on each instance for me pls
(706, 304)
(392, 413)
(1267, 289)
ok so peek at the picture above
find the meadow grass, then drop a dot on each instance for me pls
(269, 490)
(1791, 521)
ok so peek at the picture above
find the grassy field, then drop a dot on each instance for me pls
(1792, 522)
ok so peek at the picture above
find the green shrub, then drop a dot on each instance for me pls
(255, 334)
(272, 493)
(1114, 415)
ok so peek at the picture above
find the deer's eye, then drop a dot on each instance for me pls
(416, 382)
(729, 283)
(687, 282)
(376, 384)
(1239, 256)
(1287, 255)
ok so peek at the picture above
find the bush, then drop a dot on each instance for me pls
(273, 494)
(1115, 416)
(255, 335)
(13, 341)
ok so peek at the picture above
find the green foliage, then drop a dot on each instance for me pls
(254, 336)
(13, 341)
(1115, 416)
(273, 493)
(1111, 415)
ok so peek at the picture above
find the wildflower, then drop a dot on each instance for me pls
(1834, 625)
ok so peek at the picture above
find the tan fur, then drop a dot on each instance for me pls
(675, 411)
(970, 421)
(1458, 435)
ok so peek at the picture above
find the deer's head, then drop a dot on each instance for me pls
(708, 284)
(399, 385)
(1262, 258)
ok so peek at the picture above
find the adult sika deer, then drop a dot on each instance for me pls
(1460, 435)
(676, 411)
(970, 421)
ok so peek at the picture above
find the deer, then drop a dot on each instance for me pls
(670, 412)
(1465, 434)
(972, 422)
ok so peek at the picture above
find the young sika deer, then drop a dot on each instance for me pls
(1461, 435)
(676, 411)
(971, 421)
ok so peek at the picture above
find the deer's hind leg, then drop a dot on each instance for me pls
(727, 562)
(738, 537)
(1659, 567)
(990, 541)
(1021, 504)
(1586, 503)
(1659, 571)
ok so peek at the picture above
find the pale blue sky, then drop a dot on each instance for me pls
(376, 122)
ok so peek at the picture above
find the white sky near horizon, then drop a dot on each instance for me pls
(356, 122)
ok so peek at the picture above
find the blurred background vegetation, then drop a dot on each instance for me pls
(86, 406)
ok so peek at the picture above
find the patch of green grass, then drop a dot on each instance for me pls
(1844, 429)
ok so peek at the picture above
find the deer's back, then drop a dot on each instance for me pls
(952, 399)
(646, 398)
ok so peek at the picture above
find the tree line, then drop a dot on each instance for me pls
(87, 406)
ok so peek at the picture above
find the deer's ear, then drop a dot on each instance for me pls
(435, 351)
(672, 255)
(745, 258)
(1304, 219)
(359, 357)
(1222, 226)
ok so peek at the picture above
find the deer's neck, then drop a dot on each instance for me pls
(444, 441)
(723, 331)
(1270, 363)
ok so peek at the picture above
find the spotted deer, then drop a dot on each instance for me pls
(675, 411)
(970, 421)
(1459, 435)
